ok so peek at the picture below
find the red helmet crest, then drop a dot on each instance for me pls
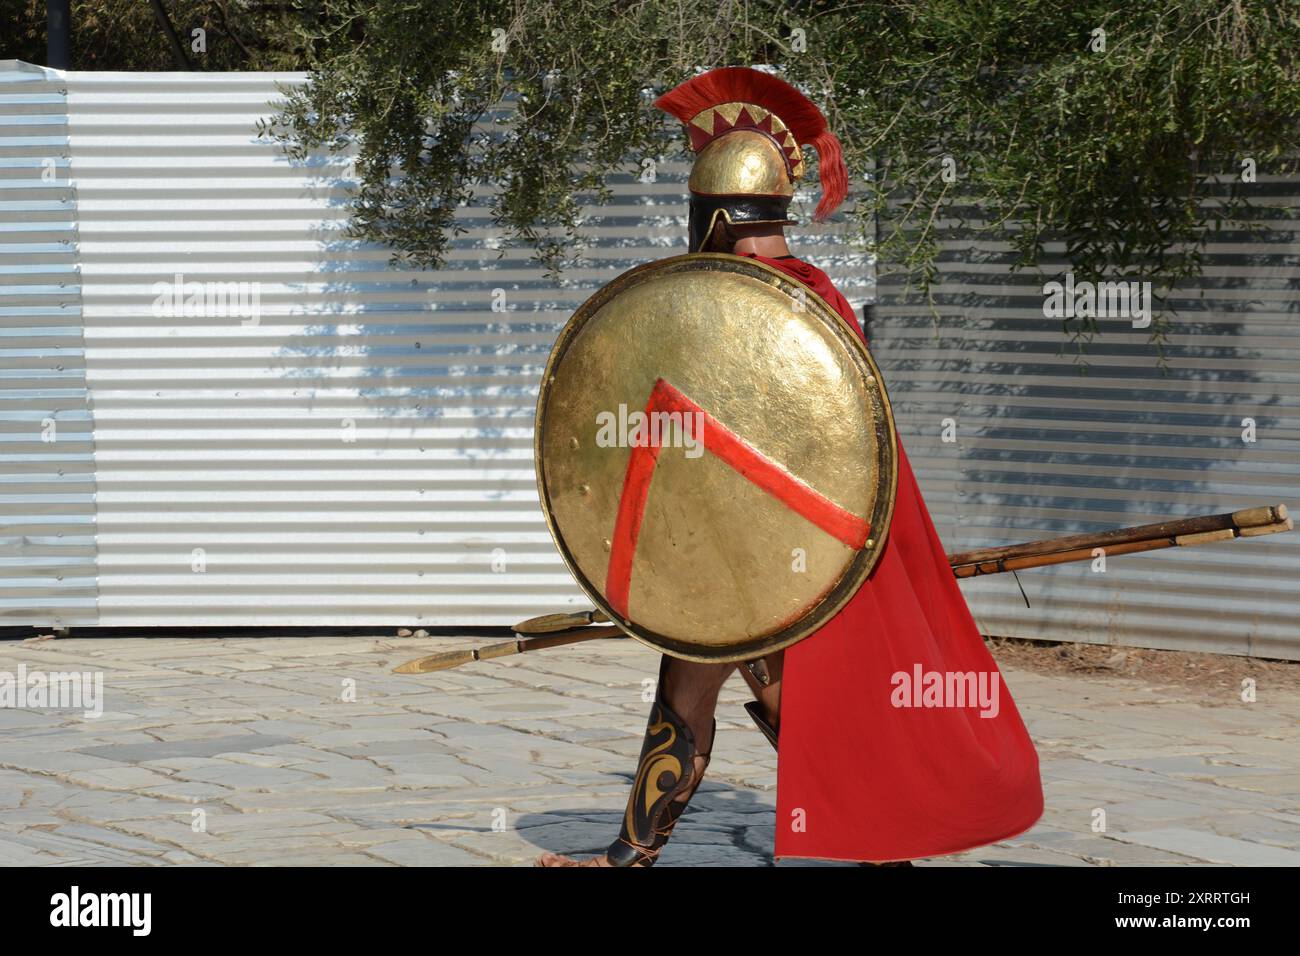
(803, 122)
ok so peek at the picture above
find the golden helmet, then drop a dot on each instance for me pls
(747, 128)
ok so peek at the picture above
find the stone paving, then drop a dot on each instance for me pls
(309, 751)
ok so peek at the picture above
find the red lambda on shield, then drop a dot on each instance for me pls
(746, 460)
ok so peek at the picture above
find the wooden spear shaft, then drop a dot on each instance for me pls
(558, 629)
(1181, 532)
(445, 660)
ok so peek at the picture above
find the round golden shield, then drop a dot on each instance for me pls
(716, 456)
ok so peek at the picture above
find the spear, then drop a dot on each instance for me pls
(554, 630)
(1179, 533)
(534, 634)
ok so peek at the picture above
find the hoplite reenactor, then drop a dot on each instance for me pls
(719, 466)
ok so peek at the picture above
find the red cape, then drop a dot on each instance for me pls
(860, 778)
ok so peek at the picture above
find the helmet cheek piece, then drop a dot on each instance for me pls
(707, 211)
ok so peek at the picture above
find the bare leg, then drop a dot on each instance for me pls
(690, 690)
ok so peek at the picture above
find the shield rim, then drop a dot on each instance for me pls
(865, 560)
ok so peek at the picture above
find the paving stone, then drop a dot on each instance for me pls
(1279, 784)
(417, 770)
(683, 854)
(1125, 812)
(93, 834)
(242, 776)
(24, 817)
(1018, 854)
(200, 747)
(58, 763)
(1288, 839)
(367, 837)
(189, 792)
(118, 778)
(77, 850)
(1212, 848)
(428, 852)
(16, 854)
(14, 719)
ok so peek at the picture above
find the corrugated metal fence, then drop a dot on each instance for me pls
(1038, 448)
(359, 451)
(351, 444)
(47, 479)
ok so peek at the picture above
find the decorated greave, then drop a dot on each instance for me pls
(664, 772)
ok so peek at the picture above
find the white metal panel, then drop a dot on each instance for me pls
(1042, 449)
(47, 481)
(362, 454)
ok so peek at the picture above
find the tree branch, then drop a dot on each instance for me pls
(178, 49)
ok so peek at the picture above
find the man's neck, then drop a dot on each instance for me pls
(772, 246)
